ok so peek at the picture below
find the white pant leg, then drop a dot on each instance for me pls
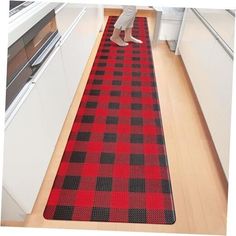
(127, 17)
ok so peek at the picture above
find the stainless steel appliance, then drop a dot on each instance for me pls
(27, 54)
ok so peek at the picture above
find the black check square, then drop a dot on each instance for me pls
(78, 157)
(152, 75)
(136, 83)
(136, 159)
(87, 119)
(136, 121)
(136, 45)
(71, 182)
(116, 82)
(117, 73)
(112, 120)
(135, 58)
(115, 93)
(136, 65)
(91, 105)
(138, 74)
(120, 58)
(107, 158)
(136, 138)
(100, 214)
(104, 57)
(63, 212)
(160, 139)
(137, 216)
(105, 50)
(94, 92)
(169, 216)
(102, 64)
(158, 121)
(97, 81)
(165, 184)
(120, 51)
(136, 94)
(153, 84)
(114, 105)
(137, 185)
(83, 136)
(109, 137)
(104, 184)
(156, 107)
(119, 65)
(162, 160)
(154, 95)
(99, 72)
(136, 106)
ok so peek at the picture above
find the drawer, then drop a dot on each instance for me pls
(66, 15)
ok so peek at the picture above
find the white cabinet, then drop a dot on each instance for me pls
(31, 136)
(210, 69)
(25, 152)
(34, 126)
(66, 14)
(171, 19)
(52, 89)
(77, 45)
(10, 209)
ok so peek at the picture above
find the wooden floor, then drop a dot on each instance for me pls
(199, 188)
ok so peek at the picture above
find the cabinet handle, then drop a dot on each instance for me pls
(223, 44)
(42, 57)
(73, 25)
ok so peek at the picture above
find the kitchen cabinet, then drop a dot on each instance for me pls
(170, 22)
(210, 68)
(33, 127)
(31, 136)
(66, 14)
(79, 41)
(10, 208)
(52, 89)
(26, 152)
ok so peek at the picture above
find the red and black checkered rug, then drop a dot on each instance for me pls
(114, 167)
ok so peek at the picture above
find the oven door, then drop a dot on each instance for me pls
(29, 52)
(36, 38)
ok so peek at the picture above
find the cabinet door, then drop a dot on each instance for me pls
(66, 15)
(52, 89)
(77, 45)
(210, 69)
(25, 152)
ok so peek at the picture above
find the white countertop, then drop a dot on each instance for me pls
(27, 19)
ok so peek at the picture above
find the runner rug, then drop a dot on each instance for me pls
(114, 167)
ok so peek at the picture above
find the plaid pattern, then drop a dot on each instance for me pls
(114, 166)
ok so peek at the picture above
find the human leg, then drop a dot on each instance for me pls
(130, 38)
(128, 31)
(117, 39)
(125, 20)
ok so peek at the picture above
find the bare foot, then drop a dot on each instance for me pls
(132, 39)
(119, 41)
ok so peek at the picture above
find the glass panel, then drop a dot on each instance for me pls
(42, 36)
